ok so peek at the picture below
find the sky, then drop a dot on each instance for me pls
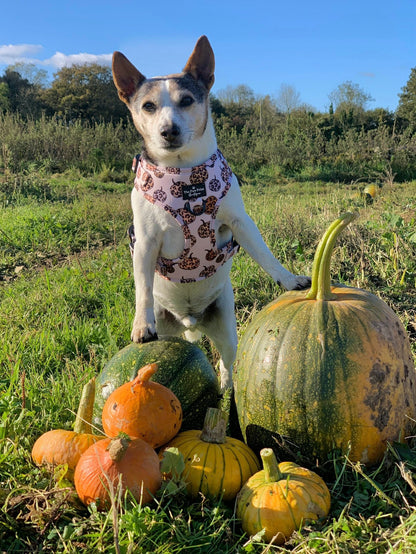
(312, 46)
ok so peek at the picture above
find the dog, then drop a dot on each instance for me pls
(188, 213)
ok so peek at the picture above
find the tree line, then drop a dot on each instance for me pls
(348, 142)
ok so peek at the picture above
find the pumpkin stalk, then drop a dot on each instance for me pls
(215, 426)
(321, 277)
(118, 447)
(145, 373)
(272, 472)
(85, 408)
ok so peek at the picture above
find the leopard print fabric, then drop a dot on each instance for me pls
(192, 196)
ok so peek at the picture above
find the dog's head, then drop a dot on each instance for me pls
(172, 112)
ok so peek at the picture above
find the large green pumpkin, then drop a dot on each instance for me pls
(330, 368)
(182, 367)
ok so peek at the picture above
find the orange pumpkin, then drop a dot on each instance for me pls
(64, 447)
(108, 464)
(143, 409)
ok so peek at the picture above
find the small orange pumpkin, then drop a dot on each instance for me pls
(63, 447)
(121, 462)
(143, 409)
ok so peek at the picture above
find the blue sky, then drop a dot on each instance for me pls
(313, 46)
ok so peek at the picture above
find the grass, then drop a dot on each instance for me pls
(67, 301)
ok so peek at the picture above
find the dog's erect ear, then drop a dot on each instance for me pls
(126, 77)
(201, 64)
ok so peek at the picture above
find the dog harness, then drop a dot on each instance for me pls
(192, 196)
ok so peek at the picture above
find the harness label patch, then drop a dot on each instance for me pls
(190, 192)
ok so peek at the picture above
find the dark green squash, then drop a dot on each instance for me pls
(330, 368)
(182, 367)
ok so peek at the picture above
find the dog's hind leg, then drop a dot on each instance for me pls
(219, 324)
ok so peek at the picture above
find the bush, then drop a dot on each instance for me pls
(55, 144)
(300, 145)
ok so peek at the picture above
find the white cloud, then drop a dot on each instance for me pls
(27, 53)
(13, 53)
(60, 60)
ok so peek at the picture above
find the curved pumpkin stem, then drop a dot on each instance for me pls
(272, 472)
(321, 276)
(145, 373)
(215, 425)
(85, 408)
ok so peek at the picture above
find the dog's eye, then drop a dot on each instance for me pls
(186, 101)
(149, 107)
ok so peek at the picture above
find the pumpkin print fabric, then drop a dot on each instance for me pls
(192, 196)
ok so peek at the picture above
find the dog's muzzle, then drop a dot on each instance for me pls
(171, 135)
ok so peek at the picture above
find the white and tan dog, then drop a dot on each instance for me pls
(188, 212)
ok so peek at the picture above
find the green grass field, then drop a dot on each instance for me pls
(67, 301)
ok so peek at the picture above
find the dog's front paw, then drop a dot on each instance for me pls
(296, 282)
(143, 334)
(302, 282)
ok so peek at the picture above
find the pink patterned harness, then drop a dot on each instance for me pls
(192, 196)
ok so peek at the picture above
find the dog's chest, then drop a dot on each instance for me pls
(186, 205)
(173, 242)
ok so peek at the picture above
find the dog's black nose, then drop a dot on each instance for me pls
(170, 133)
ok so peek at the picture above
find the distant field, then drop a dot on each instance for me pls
(66, 306)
